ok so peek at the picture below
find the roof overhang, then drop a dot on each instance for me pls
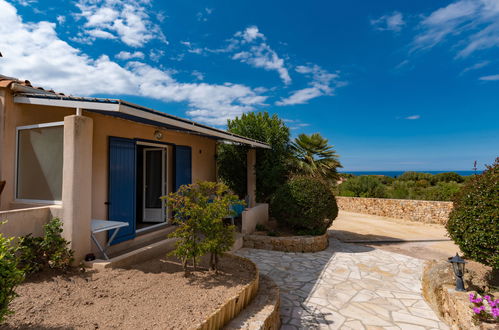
(136, 113)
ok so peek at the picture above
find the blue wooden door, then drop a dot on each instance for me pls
(122, 180)
(183, 166)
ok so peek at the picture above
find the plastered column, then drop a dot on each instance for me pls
(77, 184)
(251, 177)
(2, 142)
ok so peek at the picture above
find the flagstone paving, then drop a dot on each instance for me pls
(347, 286)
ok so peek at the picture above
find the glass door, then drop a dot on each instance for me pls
(154, 185)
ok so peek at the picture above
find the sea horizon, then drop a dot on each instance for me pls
(398, 173)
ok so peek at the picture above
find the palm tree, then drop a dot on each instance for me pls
(313, 156)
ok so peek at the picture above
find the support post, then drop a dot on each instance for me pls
(77, 184)
(251, 177)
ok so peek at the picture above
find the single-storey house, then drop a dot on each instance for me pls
(81, 159)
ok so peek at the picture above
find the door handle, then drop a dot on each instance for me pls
(107, 203)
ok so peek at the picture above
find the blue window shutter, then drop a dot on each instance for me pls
(183, 166)
(122, 180)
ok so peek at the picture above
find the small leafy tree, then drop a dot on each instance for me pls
(272, 165)
(51, 250)
(199, 210)
(10, 275)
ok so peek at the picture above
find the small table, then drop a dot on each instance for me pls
(99, 226)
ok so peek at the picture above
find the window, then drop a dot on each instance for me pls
(39, 162)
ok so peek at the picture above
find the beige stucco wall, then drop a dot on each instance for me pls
(203, 153)
(203, 149)
(27, 221)
(257, 215)
(13, 115)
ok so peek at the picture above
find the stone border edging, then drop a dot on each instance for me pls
(287, 244)
(263, 312)
(233, 306)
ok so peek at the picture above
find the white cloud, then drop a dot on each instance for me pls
(413, 117)
(250, 34)
(474, 22)
(202, 16)
(392, 22)
(322, 83)
(198, 75)
(123, 55)
(34, 51)
(259, 54)
(476, 66)
(25, 3)
(61, 19)
(156, 54)
(191, 48)
(494, 77)
(128, 20)
(97, 33)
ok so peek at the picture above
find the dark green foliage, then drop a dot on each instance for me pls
(272, 165)
(363, 186)
(260, 227)
(305, 203)
(448, 177)
(313, 156)
(410, 185)
(10, 275)
(51, 250)
(199, 210)
(414, 176)
(474, 222)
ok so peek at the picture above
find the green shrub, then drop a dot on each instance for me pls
(363, 186)
(10, 275)
(415, 176)
(473, 223)
(447, 177)
(199, 210)
(51, 250)
(304, 203)
(260, 227)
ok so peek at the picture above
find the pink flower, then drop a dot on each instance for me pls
(495, 312)
(477, 310)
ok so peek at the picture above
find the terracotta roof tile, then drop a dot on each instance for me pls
(6, 81)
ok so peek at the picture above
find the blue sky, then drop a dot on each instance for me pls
(394, 85)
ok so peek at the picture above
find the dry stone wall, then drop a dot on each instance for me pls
(287, 244)
(413, 210)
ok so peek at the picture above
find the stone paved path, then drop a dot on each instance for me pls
(347, 286)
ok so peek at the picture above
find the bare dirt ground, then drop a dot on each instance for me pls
(150, 295)
(418, 240)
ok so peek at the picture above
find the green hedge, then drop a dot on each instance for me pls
(305, 204)
(474, 222)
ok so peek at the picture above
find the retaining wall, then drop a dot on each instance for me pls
(287, 244)
(22, 222)
(413, 210)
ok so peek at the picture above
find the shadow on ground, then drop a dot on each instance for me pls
(296, 274)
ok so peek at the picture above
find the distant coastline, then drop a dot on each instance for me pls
(394, 174)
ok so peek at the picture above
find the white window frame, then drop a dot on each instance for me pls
(31, 201)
